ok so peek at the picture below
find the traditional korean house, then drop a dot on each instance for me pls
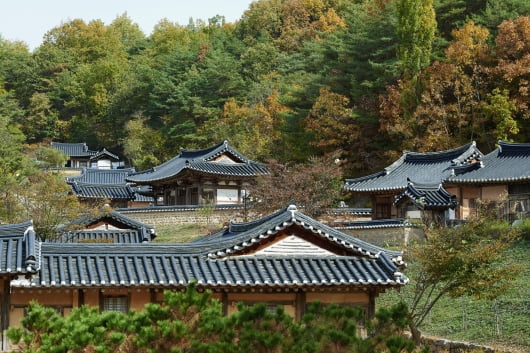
(108, 226)
(430, 203)
(79, 156)
(502, 174)
(108, 185)
(215, 175)
(285, 259)
(19, 253)
(422, 167)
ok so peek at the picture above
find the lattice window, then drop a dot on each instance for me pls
(116, 303)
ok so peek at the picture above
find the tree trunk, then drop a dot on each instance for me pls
(415, 332)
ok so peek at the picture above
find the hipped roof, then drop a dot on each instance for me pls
(423, 167)
(223, 260)
(203, 161)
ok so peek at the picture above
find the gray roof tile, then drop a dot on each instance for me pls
(129, 236)
(428, 167)
(103, 191)
(427, 196)
(19, 250)
(202, 161)
(102, 176)
(174, 265)
(113, 217)
(73, 149)
(74, 265)
(508, 163)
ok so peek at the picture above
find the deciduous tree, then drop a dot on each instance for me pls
(314, 186)
(467, 260)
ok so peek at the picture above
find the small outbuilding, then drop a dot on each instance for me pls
(215, 175)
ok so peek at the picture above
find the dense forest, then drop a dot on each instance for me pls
(290, 80)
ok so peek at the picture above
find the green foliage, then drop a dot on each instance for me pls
(48, 157)
(501, 323)
(189, 321)
(415, 30)
(467, 260)
(258, 79)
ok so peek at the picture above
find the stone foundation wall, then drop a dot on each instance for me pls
(438, 345)
(386, 237)
(164, 217)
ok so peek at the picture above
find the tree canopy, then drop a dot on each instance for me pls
(190, 321)
(289, 80)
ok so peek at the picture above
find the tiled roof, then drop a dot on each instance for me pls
(129, 236)
(216, 261)
(102, 153)
(427, 196)
(373, 224)
(165, 265)
(425, 167)
(202, 161)
(102, 176)
(103, 191)
(73, 149)
(508, 163)
(91, 183)
(113, 217)
(178, 208)
(241, 237)
(357, 211)
(19, 250)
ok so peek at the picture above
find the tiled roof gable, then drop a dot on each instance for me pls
(509, 163)
(19, 249)
(73, 149)
(242, 238)
(424, 167)
(427, 196)
(201, 161)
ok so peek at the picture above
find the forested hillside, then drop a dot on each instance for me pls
(289, 80)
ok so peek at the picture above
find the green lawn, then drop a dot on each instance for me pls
(182, 233)
(503, 323)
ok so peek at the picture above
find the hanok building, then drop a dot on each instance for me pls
(79, 156)
(285, 259)
(215, 175)
(108, 185)
(423, 168)
(108, 226)
(502, 174)
(429, 202)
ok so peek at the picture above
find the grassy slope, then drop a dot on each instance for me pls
(503, 323)
(182, 233)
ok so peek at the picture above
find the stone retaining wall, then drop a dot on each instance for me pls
(438, 345)
(164, 217)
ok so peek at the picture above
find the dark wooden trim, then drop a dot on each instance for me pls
(5, 308)
(371, 304)
(300, 305)
(224, 302)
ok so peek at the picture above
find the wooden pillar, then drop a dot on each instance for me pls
(80, 297)
(4, 314)
(371, 304)
(215, 184)
(152, 295)
(199, 192)
(300, 305)
(224, 303)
